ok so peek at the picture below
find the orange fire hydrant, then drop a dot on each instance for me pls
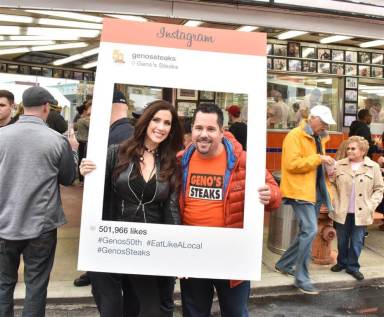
(321, 248)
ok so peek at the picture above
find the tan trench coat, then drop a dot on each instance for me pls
(369, 189)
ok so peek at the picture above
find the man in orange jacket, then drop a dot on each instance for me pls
(213, 190)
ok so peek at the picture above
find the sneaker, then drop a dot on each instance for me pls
(356, 274)
(82, 280)
(337, 268)
(290, 272)
(307, 289)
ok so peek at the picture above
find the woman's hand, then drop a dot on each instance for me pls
(72, 140)
(86, 166)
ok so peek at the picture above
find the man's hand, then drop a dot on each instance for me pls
(264, 194)
(326, 159)
(86, 166)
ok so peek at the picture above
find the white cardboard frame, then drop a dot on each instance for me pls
(225, 253)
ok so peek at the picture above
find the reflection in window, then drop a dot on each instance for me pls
(291, 97)
(138, 97)
(371, 97)
(224, 100)
(69, 93)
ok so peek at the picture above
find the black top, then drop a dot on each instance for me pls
(362, 129)
(239, 131)
(120, 131)
(13, 120)
(56, 121)
(139, 194)
(160, 199)
(137, 186)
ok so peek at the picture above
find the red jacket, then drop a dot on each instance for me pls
(234, 182)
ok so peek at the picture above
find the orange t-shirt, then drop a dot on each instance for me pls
(204, 199)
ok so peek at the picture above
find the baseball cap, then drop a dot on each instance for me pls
(234, 110)
(323, 112)
(37, 96)
(118, 97)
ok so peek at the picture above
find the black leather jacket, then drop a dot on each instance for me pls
(163, 209)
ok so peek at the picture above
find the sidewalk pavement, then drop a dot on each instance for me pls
(272, 283)
(61, 287)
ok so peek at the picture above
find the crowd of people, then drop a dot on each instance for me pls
(147, 179)
(144, 183)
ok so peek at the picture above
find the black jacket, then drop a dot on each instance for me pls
(56, 121)
(120, 131)
(239, 131)
(164, 208)
(362, 129)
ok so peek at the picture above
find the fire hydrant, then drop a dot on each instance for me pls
(321, 248)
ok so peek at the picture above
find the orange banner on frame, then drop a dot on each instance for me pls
(184, 37)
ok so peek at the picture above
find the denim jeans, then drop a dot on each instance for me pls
(38, 255)
(349, 243)
(197, 296)
(298, 254)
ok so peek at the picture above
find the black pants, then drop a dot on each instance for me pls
(82, 151)
(123, 295)
(197, 297)
(38, 255)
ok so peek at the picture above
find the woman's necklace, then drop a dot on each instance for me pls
(151, 151)
(141, 204)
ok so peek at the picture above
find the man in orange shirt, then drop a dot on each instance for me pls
(213, 190)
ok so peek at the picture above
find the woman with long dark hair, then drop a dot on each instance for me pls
(141, 185)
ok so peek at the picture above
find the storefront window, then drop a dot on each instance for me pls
(224, 100)
(139, 96)
(69, 93)
(371, 97)
(290, 98)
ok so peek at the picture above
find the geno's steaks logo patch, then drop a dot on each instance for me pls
(206, 186)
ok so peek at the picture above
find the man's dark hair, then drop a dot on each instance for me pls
(207, 107)
(7, 94)
(363, 113)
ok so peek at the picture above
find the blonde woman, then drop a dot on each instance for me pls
(342, 150)
(358, 189)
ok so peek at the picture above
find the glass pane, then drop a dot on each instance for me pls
(224, 100)
(69, 93)
(371, 97)
(290, 98)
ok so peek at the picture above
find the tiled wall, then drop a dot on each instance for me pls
(275, 141)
